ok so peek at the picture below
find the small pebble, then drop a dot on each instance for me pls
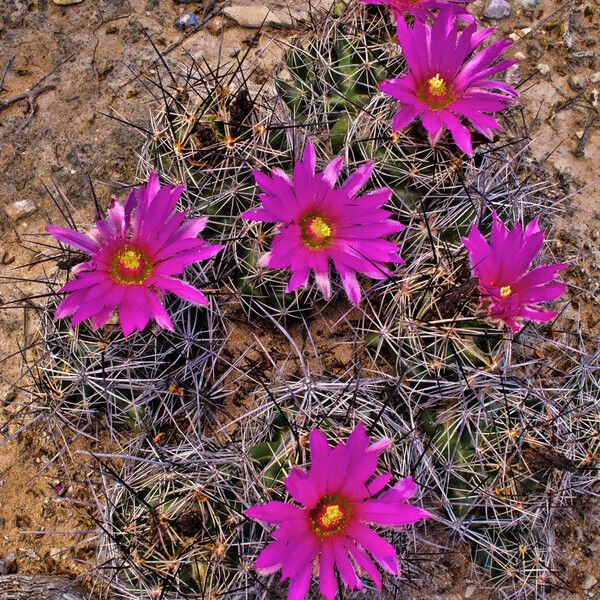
(513, 75)
(515, 36)
(187, 20)
(595, 77)
(29, 553)
(20, 209)
(589, 582)
(583, 54)
(576, 83)
(520, 55)
(252, 17)
(3, 568)
(528, 4)
(543, 68)
(497, 9)
(470, 591)
(10, 560)
(67, 2)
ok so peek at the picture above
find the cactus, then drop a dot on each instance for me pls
(330, 83)
(499, 431)
(145, 382)
(172, 524)
(274, 435)
(210, 133)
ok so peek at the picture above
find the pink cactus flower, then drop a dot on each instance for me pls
(339, 499)
(135, 254)
(510, 290)
(446, 82)
(319, 223)
(422, 9)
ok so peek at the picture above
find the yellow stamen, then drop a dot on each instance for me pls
(317, 232)
(505, 291)
(437, 86)
(130, 266)
(130, 259)
(320, 227)
(332, 515)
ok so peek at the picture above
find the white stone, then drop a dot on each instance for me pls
(543, 68)
(589, 582)
(20, 209)
(470, 591)
(254, 17)
(67, 2)
(497, 9)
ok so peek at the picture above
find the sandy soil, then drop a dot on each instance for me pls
(84, 60)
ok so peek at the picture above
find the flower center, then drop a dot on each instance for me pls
(505, 291)
(437, 86)
(330, 516)
(316, 231)
(130, 266)
(130, 259)
(435, 92)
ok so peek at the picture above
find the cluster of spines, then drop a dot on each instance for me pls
(212, 130)
(172, 523)
(154, 381)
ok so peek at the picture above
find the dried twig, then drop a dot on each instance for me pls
(32, 93)
(589, 126)
(5, 71)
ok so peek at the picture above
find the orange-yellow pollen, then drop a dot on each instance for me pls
(505, 291)
(332, 515)
(437, 86)
(317, 232)
(130, 259)
(320, 227)
(130, 266)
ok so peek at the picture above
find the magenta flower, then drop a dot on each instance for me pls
(509, 290)
(320, 222)
(443, 85)
(135, 254)
(330, 529)
(422, 9)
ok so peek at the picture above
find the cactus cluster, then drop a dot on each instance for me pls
(498, 429)
(173, 518)
(212, 130)
(173, 524)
